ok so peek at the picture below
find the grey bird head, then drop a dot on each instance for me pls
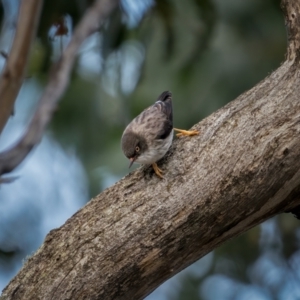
(133, 145)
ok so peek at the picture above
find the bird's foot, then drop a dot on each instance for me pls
(186, 132)
(157, 170)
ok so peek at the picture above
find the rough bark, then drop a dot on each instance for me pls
(243, 169)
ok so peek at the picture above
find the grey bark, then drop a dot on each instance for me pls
(242, 169)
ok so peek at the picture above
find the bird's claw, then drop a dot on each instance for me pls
(186, 132)
(157, 170)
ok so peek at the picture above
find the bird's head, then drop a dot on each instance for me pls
(133, 146)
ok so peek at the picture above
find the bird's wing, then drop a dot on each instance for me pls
(156, 119)
(164, 129)
(164, 104)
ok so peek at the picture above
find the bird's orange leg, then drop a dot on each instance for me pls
(186, 132)
(157, 170)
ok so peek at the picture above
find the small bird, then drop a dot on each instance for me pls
(148, 137)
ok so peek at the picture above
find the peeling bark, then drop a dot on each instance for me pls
(243, 169)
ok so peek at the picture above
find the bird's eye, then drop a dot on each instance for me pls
(137, 149)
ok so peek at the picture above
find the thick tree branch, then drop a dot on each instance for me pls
(243, 169)
(15, 69)
(57, 84)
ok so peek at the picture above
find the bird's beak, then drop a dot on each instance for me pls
(132, 159)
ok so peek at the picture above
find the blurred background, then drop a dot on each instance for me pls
(207, 52)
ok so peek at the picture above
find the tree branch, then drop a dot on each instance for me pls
(243, 169)
(57, 84)
(15, 69)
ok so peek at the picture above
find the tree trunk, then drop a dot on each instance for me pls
(242, 169)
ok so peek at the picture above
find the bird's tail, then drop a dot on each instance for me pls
(165, 96)
(164, 101)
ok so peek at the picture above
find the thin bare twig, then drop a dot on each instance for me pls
(15, 69)
(57, 84)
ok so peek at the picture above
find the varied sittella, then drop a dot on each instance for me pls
(148, 137)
